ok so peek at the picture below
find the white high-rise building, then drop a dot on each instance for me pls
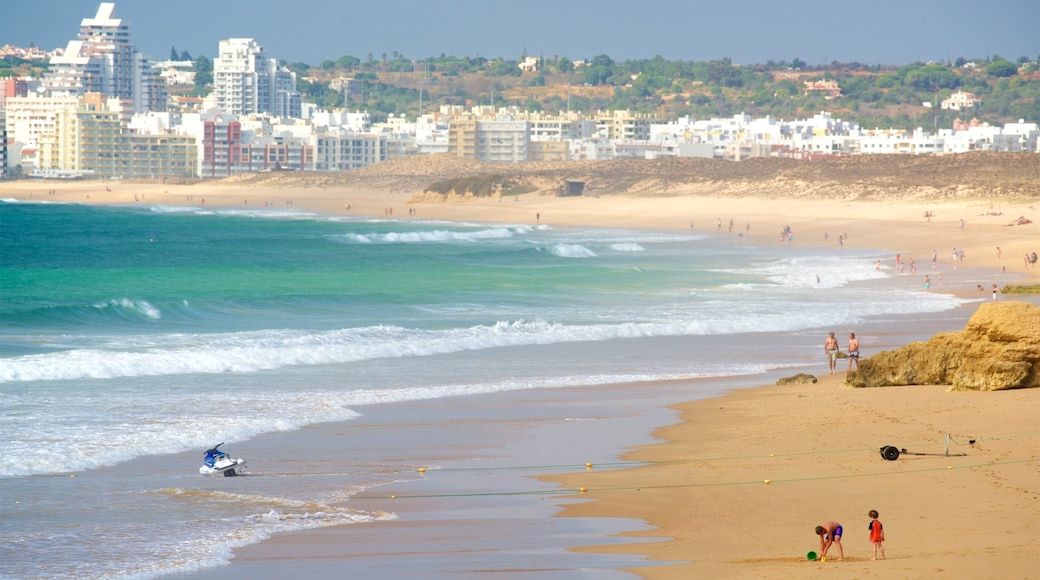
(102, 60)
(245, 81)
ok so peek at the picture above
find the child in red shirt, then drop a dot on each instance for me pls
(877, 535)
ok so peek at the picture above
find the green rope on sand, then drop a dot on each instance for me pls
(571, 491)
(622, 464)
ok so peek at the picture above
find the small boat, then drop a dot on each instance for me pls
(216, 462)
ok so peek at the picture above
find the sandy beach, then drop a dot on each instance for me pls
(742, 480)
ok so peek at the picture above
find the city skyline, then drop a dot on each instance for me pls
(891, 32)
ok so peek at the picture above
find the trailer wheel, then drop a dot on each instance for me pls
(890, 453)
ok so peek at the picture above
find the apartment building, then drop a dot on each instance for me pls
(246, 81)
(462, 137)
(548, 151)
(13, 87)
(3, 143)
(341, 150)
(624, 125)
(91, 138)
(223, 153)
(227, 149)
(85, 138)
(505, 141)
(103, 60)
(31, 116)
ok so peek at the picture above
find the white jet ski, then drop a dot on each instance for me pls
(216, 462)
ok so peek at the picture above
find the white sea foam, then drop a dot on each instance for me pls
(184, 548)
(256, 212)
(627, 247)
(432, 236)
(128, 307)
(571, 251)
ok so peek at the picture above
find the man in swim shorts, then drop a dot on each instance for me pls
(830, 348)
(830, 533)
(853, 350)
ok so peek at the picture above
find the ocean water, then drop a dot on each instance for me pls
(132, 338)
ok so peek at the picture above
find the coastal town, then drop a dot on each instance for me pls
(714, 313)
(103, 109)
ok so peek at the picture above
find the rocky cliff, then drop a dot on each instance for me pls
(998, 349)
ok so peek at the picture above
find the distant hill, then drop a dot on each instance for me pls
(904, 97)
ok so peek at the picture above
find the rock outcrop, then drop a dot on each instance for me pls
(998, 349)
(798, 379)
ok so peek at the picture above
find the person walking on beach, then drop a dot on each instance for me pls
(853, 350)
(830, 533)
(877, 535)
(995, 292)
(830, 348)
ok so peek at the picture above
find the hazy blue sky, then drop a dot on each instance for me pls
(748, 31)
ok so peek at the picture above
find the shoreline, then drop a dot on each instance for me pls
(892, 226)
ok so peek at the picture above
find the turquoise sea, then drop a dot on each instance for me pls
(132, 338)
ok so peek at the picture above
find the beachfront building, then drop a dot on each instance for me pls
(221, 148)
(548, 151)
(564, 126)
(226, 148)
(103, 60)
(505, 141)
(339, 149)
(33, 115)
(591, 149)
(91, 139)
(624, 125)
(245, 81)
(3, 143)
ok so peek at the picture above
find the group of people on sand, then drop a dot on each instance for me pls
(830, 534)
(831, 349)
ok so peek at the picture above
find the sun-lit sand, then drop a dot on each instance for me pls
(970, 516)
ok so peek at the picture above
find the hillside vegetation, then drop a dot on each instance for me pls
(872, 95)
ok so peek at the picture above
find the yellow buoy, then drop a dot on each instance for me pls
(393, 497)
(422, 470)
(583, 490)
(768, 481)
(588, 466)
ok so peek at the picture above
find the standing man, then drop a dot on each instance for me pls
(830, 348)
(853, 350)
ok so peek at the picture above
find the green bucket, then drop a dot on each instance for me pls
(811, 556)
